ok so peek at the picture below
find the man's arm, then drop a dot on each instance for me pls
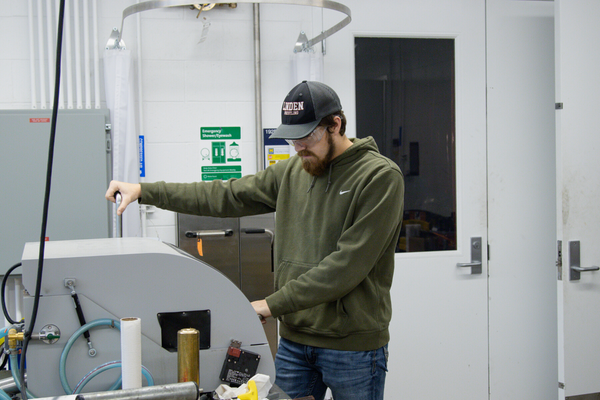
(130, 192)
(262, 309)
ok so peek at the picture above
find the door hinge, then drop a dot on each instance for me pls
(558, 106)
(559, 259)
(561, 385)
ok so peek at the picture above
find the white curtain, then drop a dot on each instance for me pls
(307, 66)
(119, 89)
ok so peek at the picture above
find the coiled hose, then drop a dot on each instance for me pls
(104, 367)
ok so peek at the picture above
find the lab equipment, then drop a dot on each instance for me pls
(123, 277)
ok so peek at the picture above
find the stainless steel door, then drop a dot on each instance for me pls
(240, 248)
(214, 241)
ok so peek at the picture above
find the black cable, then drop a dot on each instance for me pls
(3, 297)
(38, 284)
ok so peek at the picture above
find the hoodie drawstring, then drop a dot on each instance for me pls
(329, 177)
(312, 184)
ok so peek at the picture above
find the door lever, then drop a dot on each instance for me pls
(201, 234)
(575, 268)
(475, 264)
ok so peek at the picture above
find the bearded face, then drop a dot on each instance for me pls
(315, 165)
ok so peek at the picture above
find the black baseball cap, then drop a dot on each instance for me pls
(304, 107)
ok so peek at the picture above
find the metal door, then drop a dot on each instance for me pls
(240, 248)
(578, 141)
(439, 343)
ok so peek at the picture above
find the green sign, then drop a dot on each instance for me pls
(211, 173)
(221, 133)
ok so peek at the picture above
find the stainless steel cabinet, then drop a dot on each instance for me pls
(240, 248)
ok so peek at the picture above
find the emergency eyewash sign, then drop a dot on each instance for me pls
(220, 153)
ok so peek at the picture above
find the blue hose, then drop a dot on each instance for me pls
(97, 370)
(105, 367)
(14, 366)
(4, 331)
(71, 341)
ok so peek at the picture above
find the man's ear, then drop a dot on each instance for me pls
(338, 124)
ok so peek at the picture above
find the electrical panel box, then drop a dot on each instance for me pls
(80, 174)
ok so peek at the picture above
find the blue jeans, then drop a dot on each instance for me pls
(309, 371)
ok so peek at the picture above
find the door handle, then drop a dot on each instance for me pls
(476, 263)
(575, 268)
(201, 234)
(259, 231)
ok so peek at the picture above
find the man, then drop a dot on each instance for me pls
(339, 209)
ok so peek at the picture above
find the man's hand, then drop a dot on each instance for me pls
(262, 309)
(130, 192)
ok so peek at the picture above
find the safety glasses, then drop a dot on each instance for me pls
(310, 139)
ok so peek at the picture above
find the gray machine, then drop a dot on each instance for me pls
(133, 277)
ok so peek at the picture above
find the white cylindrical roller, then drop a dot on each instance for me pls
(131, 352)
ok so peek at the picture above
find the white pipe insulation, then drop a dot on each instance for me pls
(40, 18)
(31, 55)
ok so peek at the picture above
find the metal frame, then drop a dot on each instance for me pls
(332, 5)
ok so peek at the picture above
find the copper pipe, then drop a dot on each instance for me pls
(188, 355)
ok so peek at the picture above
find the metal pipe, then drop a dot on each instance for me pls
(50, 38)
(69, 58)
(188, 355)
(9, 385)
(96, 56)
(77, 33)
(260, 147)
(18, 299)
(172, 391)
(86, 55)
(31, 55)
(61, 92)
(119, 228)
(332, 5)
(143, 208)
(41, 54)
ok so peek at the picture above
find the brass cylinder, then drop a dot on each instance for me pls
(188, 355)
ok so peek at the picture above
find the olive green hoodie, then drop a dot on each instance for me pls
(334, 244)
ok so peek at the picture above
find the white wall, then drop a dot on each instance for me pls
(14, 59)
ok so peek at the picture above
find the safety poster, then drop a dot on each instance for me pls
(220, 153)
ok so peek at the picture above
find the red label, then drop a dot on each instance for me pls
(38, 120)
(234, 352)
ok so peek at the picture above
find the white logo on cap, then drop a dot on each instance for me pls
(292, 107)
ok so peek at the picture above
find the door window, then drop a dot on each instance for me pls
(405, 100)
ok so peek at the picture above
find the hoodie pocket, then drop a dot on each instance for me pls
(326, 319)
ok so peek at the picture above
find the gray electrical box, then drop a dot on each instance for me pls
(80, 175)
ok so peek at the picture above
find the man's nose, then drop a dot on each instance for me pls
(298, 145)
